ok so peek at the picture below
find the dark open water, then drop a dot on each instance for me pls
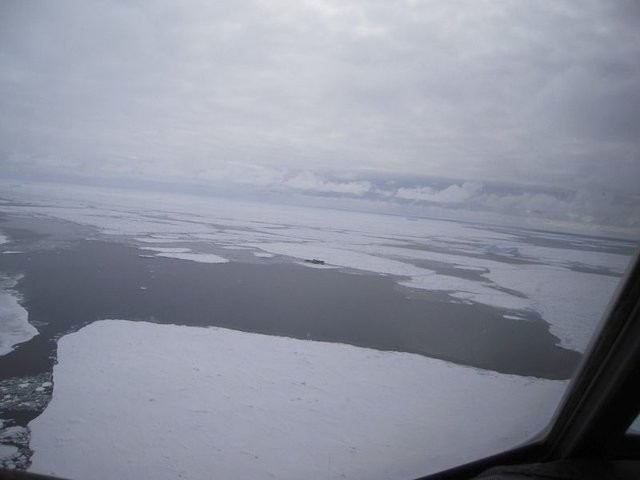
(65, 289)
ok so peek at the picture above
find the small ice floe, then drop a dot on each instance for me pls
(7, 453)
(14, 443)
(167, 249)
(142, 287)
(21, 393)
(11, 252)
(15, 434)
(195, 257)
(263, 255)
(319, 266)
(24, 394)
(470, 268)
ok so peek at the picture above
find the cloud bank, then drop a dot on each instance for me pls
(328, 96)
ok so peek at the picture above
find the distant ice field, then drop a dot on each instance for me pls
(318, 317)
(567, 279)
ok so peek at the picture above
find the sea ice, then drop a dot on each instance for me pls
(505, 267)
(195, 257)
(317, 266)
(15, 434)
(572, 302)
(167, 249)
(14, 325)
(343, 257)
(156, 239)
(7, 452)
(163, 401)
(263, 255)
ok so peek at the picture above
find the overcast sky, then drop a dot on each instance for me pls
(411, 102)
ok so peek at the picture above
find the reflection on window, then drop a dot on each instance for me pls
(634, 428)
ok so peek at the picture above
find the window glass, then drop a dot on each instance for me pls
(634, 428)
(322, 238)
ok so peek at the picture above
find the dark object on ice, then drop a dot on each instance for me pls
(315, 261)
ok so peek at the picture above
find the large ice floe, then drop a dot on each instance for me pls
(141, 400)
(14, 325)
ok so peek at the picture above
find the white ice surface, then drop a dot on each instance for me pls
(195, 257)
(263, 254)
(140, 400)
(14, 325)
(166, 249)
(572, 302)
(3, 239)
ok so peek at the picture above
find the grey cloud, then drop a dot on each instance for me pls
(566, 206)
(452, 194)
(310, 182)
(250, 91)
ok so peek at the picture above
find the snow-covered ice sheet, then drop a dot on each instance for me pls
(140, 400)
(14, 325)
